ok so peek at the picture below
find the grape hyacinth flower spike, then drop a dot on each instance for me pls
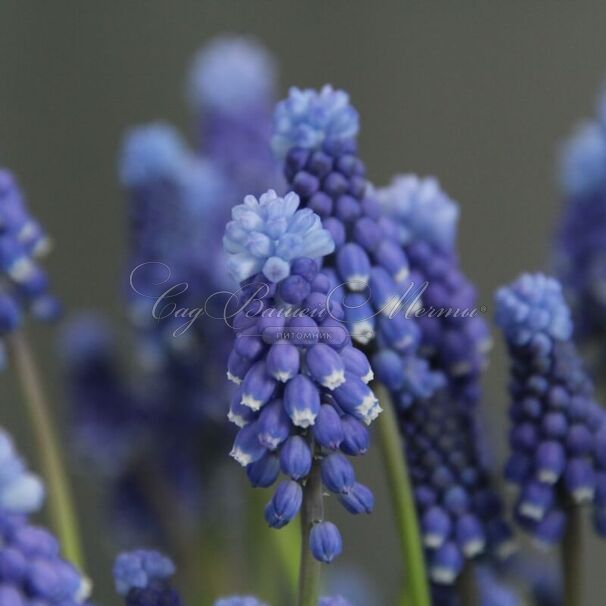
(460, 512)
(33, 570)
(558, 432)
(303, 403)
(581, 234)
(142, 577)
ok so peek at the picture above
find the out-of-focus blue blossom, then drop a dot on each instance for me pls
(310, 119)
(265, 235)
(579, 258)
(558, 432)
(337, 600)
(21, 492)
(492, 591)
(232, 84)
(421, 211)
(25, 285)
(460, 512)
(142, 577)
(32, 570)
(231, 74)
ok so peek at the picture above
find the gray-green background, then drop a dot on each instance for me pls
(478, 93)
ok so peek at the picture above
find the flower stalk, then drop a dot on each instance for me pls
(62, 510)
(416, 592)
(572, 559)
(311, 511)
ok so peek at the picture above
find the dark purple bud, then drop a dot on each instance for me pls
(425, 496)
(258, 387)
(518, 468)
(524, 437)
(535, 501)
(237, 367)
(358, 499)
(390, 256)
(357, 399)
(238, 414)
(550, 530)
(295, 161)
(359, 317)
(348, 164)
(357, 363)
(305, 267)
(305, 184)
(555, 425)
(348, 209)
(356, 438)
(284, 505)
(446, 564)
(470, 535)
(456, 500)
(321, 283)
(336, 229)
(383, 292)
(295, 458)
(294, 289)
(325, 366)
(367, 233)
(264, 472)
(354, 266)
(558, 397)
(389, 368)
(301, 401)
(319, 163)
(246, 448)
(580, 480)
(399, 332)
(335, 184)
(550, 462)
(321, 204)
(599, 447)
(357, 188)
(283, 361)
(325, 542)
(337, 473)
(327, 430)
(249, 346)
(436, 526)
(273, 425)
(579, 440)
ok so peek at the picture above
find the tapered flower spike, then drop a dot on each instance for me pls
(581, 233)
(22, 243)
(302, 396)
(558, 431)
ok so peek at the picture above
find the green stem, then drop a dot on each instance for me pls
(572, 559)
(394, 459)
(312, 511)
(61, 506)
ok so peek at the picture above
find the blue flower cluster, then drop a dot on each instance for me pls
(558, 433)
(460, 512)
(22, 244)
(152, 422)
(316, 132)
(395, 255)
(142, 577)
(581, 233)
(31, 568)
(232, 84)
(302, 399)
